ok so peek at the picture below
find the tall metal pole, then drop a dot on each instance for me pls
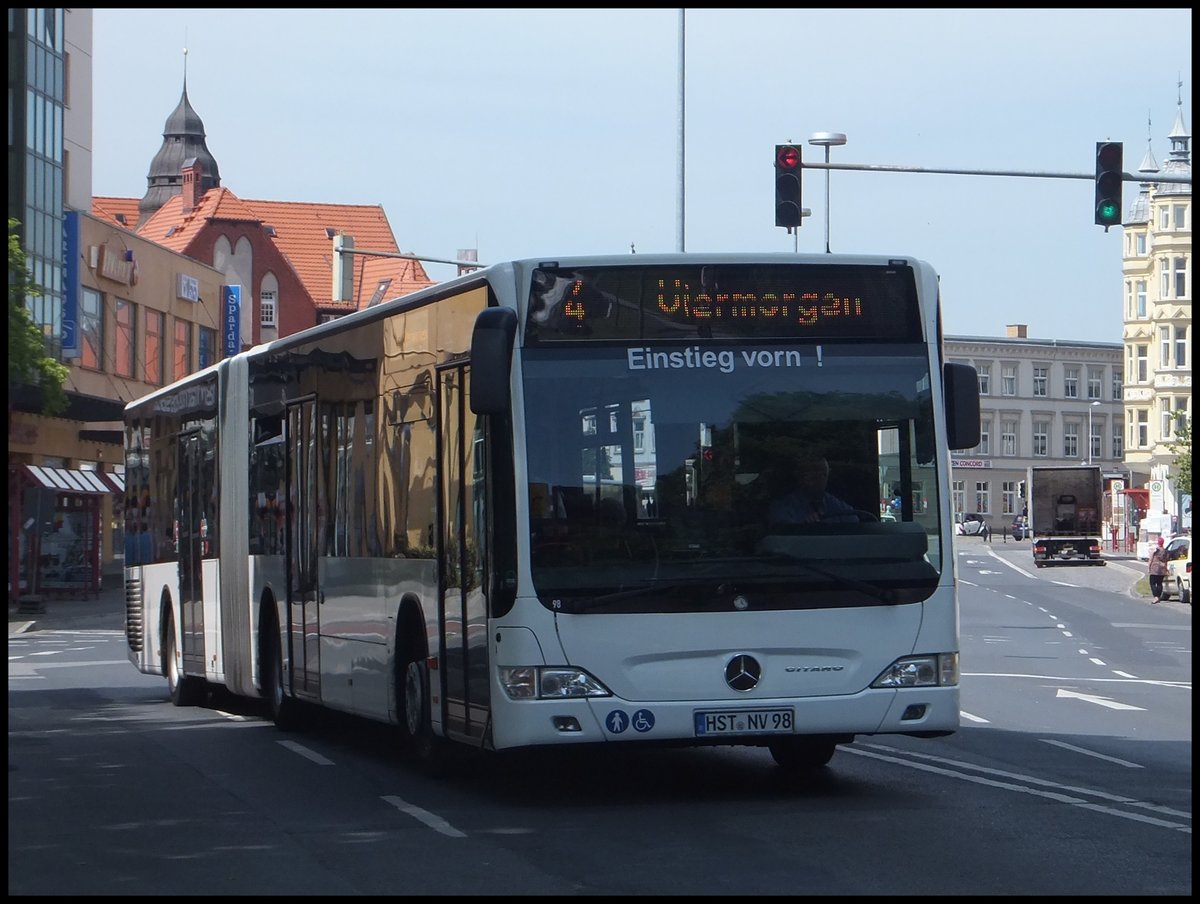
(827, 140)
(682, 93)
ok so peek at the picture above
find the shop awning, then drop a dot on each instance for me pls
(68, 481)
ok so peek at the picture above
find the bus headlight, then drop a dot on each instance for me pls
(934, 670)
(523, 682)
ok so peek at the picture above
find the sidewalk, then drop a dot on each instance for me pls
(105, 610)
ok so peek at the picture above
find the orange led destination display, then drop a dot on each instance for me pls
(781, 301)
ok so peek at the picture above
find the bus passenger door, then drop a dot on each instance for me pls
(193, 531)
(462, 608)
(302, 469)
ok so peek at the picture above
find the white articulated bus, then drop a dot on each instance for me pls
(530, 506)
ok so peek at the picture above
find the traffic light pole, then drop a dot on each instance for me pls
(1090, 177)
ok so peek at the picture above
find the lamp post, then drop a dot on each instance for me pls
(1089, 436)
(827, 140)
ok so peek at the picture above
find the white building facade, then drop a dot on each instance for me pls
(1041, 402)
(1157, 334)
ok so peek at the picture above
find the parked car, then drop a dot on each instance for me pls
(1020, 527)
(971, 524)
(1178, 582)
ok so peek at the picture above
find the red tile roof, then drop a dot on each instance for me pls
(303, 233)
(105, 208)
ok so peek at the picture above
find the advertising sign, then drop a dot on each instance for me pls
(231, 315)
(70, 309)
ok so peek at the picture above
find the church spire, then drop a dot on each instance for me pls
(183, 139)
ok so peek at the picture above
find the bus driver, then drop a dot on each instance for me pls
(808, 501)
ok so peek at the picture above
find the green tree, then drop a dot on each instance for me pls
(28, 363)
(1181, 445)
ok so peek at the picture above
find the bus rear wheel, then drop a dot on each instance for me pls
(185, 690)
(285, 710)
(802, 754)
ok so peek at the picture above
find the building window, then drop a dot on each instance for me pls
(1181, 346)
(1071, 383)
(1141, 298)
(91, 329)
(1141, 243)
(1118, 379)
(1118, 447)
(1095, 383)
(1070, 440)
(208, 347)
(1164, 346)
(1141, 356)
(1181, 277)
(959, 493)
(983, 497)
(1041, 380)
(1008, 379)
(1096, 441)
(1140, 429)
(1167, 423)
(985, 439)
(267, 316)
(1164, 218)
(985, 378)
(125, 360)
(1041, 438)
(182, 346)
(154, 347)
(1008, 496)
(1164, 275)
(1008, 438)
(1177, 212)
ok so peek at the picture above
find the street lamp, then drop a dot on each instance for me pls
(827, 140)
(1089, 436)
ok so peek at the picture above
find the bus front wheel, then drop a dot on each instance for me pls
(802, 754)
(416, 732)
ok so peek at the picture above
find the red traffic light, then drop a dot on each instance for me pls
(1108, 155)
(787, 156)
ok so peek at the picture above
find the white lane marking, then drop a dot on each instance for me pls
(1099, 756)
(1124, 674)
(1003, 561)
(433, 821)
(1096, 661)
(971, 718)
(1099, 701)
(1064, 584)
(306, 753)
(1185, 685)
(1087, 805)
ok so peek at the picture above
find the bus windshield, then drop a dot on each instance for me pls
(665, 476)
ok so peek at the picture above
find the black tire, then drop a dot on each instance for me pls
(799, 755)
(1185, 593)
(185, 690)
(412, 704)
(284, 710)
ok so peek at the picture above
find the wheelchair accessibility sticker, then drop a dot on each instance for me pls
(617, 721)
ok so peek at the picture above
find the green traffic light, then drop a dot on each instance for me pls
(1109, 212)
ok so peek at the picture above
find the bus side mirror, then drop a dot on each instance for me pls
(491, 360)
(961, 384)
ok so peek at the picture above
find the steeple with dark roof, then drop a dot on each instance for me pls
(1179, 163)
(183, 139)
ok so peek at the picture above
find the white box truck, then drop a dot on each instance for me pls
(1065, 508)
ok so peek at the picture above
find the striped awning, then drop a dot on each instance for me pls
(69, 481)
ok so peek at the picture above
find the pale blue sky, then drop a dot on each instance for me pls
(536, 133)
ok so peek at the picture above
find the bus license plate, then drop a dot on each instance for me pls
(744, 721)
